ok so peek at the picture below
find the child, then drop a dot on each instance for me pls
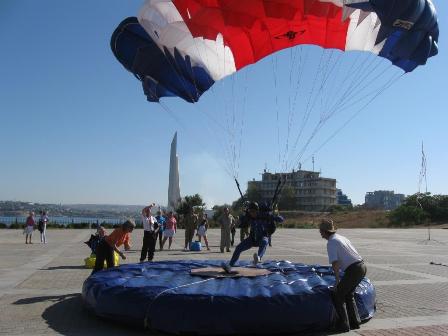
(202, 231)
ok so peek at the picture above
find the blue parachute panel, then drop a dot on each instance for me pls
(411, 29)
(161, 74)
(165, 296)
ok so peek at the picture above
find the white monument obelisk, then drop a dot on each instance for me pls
(173, 186)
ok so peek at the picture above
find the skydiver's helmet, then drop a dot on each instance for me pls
(253, 206)
(246, 206)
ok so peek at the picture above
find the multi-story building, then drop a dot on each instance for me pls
(342, 199)
(383, 199)
(312, 192)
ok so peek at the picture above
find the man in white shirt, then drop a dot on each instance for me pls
(149, 234)
(343, 256)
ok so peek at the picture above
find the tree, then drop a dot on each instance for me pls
(287, 198)
(253, 194)
(421, 207)
(189, 203)
(219, 210)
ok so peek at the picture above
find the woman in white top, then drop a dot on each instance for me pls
(202, 230)
(42, 226)
(343, 256)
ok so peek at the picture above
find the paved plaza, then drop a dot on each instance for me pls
(40, 285)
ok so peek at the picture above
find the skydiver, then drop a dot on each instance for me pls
(262, 224)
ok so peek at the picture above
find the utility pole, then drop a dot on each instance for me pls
(313, 162)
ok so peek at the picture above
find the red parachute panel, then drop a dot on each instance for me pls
(254, 29)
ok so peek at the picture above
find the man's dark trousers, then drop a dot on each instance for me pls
(344, 296)
(149, 245)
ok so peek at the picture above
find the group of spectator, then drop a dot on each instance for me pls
(163, 227)
(31, 225)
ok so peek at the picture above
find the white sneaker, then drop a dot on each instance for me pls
(226, 267)
(256, 259)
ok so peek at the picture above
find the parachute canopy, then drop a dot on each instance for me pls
(181, 47)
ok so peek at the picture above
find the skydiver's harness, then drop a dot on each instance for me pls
(268, 217)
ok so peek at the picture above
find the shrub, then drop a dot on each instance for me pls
(408, 215)
(16, 226)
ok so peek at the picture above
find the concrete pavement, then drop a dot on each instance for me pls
(40, 284)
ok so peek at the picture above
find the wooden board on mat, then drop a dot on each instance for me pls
(218, 272)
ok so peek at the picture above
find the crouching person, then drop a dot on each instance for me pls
(343, 256)
(110, 244)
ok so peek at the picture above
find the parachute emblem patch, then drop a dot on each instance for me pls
(403, 24)
(290, 35)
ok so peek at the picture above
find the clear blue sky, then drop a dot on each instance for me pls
(75, 126)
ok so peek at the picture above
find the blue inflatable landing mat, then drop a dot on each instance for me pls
(166, 296)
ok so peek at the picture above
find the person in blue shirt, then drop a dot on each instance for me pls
(262, 225)
(161, 219)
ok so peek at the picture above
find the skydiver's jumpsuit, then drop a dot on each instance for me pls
(258, 237)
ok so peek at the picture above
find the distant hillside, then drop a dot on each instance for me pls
(18, 208)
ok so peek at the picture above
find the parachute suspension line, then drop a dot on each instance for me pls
(233, 127)
(306, 113)
(300, 76)
(274, 62)
(324, 117)
(227, 169)
(277, 107)
(323, 84)
(333, 84)
(349, 95)
(389, 83)
(295, 84)
(193, 137)
(351, 78)
(354, 87)
(353, 101)
(171, 113)
(302, 62)
(243, 115)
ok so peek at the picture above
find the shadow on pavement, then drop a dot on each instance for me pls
(67, 316)
(186, 253)
(74, 267)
